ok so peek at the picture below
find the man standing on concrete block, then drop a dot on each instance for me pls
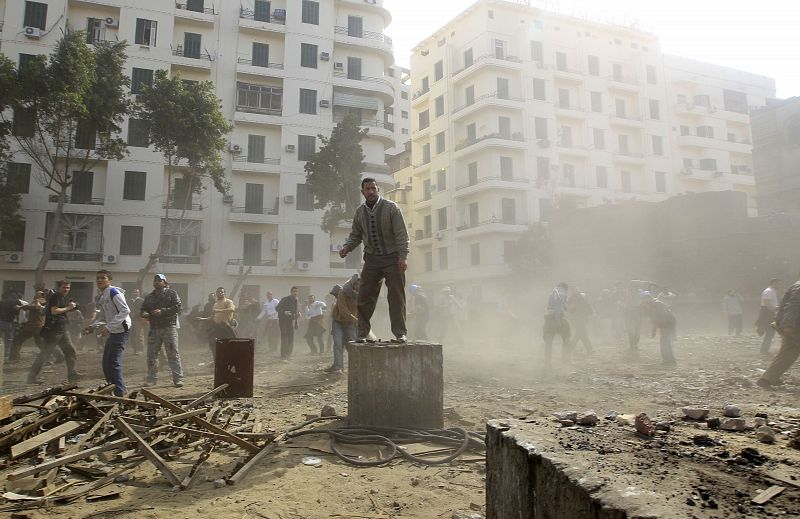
(787, 322)
(379, 224)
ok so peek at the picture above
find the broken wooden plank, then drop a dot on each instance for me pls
(28, 418)
(766, 495)
(42, 439)
(189, 479)
(90, 434)
(783, 477)
(202, 398)
(23, 399)
(180, 416)
(111, 398)
(14, 436)
(202, 423)
(148, 451)
(252, 462)
(6, 406)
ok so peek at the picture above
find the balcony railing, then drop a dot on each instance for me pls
(422, 235)
(185, 7)
(249, 61)
(77, 200)
(259, 110)
(370, 123)
(376, 168)
(367, 35)
(75, 256)
(628, 80)
(257, 210)
(516, 180)
(518, 136)
(240, 262)
(256, 160)
(179, 206)
(473, 225)
(343, 75)
(182, 260)
(491, 95)
(201, 56)
(512, 59)
(249, 14)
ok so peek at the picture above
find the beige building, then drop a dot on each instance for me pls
(285, 71)
(516, 110)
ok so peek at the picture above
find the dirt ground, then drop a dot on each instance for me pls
(490, 381)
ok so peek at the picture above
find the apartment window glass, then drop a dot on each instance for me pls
(305, 198)
(438, 70)
(191, 45)
(256, 148)
(310, 12)
(503, 91)
(687, 164)
(35, 15)
(504, 126)
(594, 66)
(355, 26)
(442, 218)
(259, 98)
(308, 55)
(508, 211)
(563, 98)
(425, 84)
(82, 187)
(473, 214)
(499, 49)
(404, 114)
(254, 198)
(568, 175)
(441, 180)
(130, 240)
(354, 68)
(13, 238)
(468, 59)
(652, 76)
(24, 59)
(440, 143)
(705, 131)
(426, 153)
(308, 101)
(616, 72)
(734, 101)
(443, 258)
(195, 5)
(472, 173)
(619, 104)
(537, 52)
(475, 254)
(685, 130)
(251, 249)
(596, 99)
(658, 145)
(424, 119)
(599, 138)
(601, 176)
(625, 180)
(708, 164)
(140, 77)
(306, 146)
(542, 170)
(427, 190)
(138, 132)
(506, 168)
(540, 125)
(260, 55)
(428, 261)
(439, 106)
(469, 95)
(85, 135)
(95, 30)
(261, 11)
(661, 181)
(561, 61)
(655, 111)
(181, 194)
(18, 178)
(304, 247)
(538, 89)
(545, 209)
(24, 124)
(146, 32)
(134, 185)
(622, 142)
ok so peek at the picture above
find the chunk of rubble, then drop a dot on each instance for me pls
(713, 423)
(625, 419)
(765, 434)
(732, 411)
(644, 425)
(733, 424)
(695, 413)
(566, 415)
(587, 418)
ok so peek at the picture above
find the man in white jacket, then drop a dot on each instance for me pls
(113, 321)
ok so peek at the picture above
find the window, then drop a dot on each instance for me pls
(308, 55)
(425, 84)
(191, 45)
(650, 72)
(24, 59)
(568, 175)
(134, 185)
(687, 164)
(655, 112)
(508, 211)
(622, 142)
(734, 101)
(705, 131)
(473, 214)
(545, 209)
(440, 143)
(306, 146)
(24, 124)
(502, 88)
(661, 182)
(599, 138)
(305, 198)
(616, 72)
(708, 164)
(139, 78)
(540, 124)
(472, 173)
(441, 217)
(469, 95)
(95, 31)
(563, 98)
(468, 59)
(308, 101)
(601, 176)
(538, 89)
(146, 32)
(625, 180)
(426, 153)
(304, 247)
(504, 127)
(354, 68)
(428, 261)
(254, 198)
(438, 70)
(424, 119)
(404, 95)
(18, 178)
(499, 49)
(85, 135)
(439, 106)
(565, 136)
(702, 100)
(13, 238)
(35, 15)
(542, 171)
(182, 194)
(443, 258)
(256, 148)
(130, 240)
(404, 114)
(355, 26)
(195, 5)
(594, 66)
(506, 168)
(427, 190)
(138, 132)
(310, 12)
(260, 55)
(261, 11)
(475, 254)
(561, 61)
(251, 249)
(658, 145)
(181, 237)
(259, 99)
(537, 53)
(441, 180)
(685, 130)
(596, 99)
(620, 107)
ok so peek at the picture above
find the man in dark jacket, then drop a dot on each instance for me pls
(161, 308)
(787, 322)
(56, 333)
(287, 321)
(664, 321)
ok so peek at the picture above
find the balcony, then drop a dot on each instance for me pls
(515, 141)
(569, 148)
(494, 225)
(623, 83)
(569, 111)
(422, 167)
(421, 236)
(487, 100)
(376, 128)
(255, 115)
(487, 60)
(77, 200)
(274, 22)
(361, 39)
(621, 119)
(374, 85)
(257, 267)
(629, 157)
(204, 15)
(257, 215)
(419, 96)
(245, 65)
(567, 74)
(733, 146)
(200, 61)
(179, 264)
(693, 109)
(424, 202)
(75, 256)
(191, 211)
(490, 183)
(244, 164)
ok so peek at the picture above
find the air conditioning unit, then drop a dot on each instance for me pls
(288, 199)
(274, 245)
(33, 33)
(227, 199)
(335, 247)
(290, 148)
(234, 148)
(303, 265)
(14, 257)
(109, 258)
(543, 143)
(338, 65)
(325, 56)
(324, 103)
(112, 22)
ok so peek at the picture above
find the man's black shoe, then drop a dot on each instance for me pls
(360, 340)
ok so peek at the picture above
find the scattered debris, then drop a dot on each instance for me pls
(587, 418)
(765, 434)
(644, 425)
(767, 494)
(732, 411)
(733, 424)
(695, 413)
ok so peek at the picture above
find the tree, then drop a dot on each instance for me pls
(67, 116)
(10, 221)
(334, 173)
(187, 126)
(530, 254)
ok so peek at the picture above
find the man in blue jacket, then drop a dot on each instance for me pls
(112, 321)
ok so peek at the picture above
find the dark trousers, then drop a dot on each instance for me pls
(287, 337)
(735, 324)
(62, 340)
(218, 331)
(112, 361)
(633, 327)
(787, 355)
(581, 333)
(376, 269)
(553, 327)
(273, 333)
(22, 335)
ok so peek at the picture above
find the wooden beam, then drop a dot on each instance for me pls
(42, 439)
(202, 398)
(767, 494)
(111, 398)
(58, 462)
(23, 399)
(6, 406)
(189, 479)
(148, 451)
(90, 434)
(252, 462)
(180, 416)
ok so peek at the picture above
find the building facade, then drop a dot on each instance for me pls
(285, 71)
(776, 156)
(516, 110)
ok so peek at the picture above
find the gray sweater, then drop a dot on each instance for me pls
(381, 229)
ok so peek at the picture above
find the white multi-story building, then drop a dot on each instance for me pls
(285, 71)
(517, 109)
